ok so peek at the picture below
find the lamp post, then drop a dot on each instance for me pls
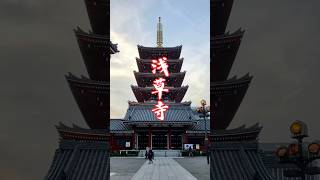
(204, 112)
(295, 153)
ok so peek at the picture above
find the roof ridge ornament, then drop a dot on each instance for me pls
(159, 33)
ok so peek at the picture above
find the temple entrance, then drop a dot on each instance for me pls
(143, 140)
(176, 141)
(159, 140)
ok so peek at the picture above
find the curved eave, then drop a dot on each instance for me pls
(142, 112)
(226, 98)
(133, 103)
(96, 40)
(227, 40)
(69, 133)
(94, 50)
(220, 11)
(156, 52)
(175, 94)
(146, 79)
(159, 123)
(239, 134)
(99, 15)
(144, 65)
(92, 99)
(224, 49)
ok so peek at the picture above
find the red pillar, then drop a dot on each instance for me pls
(133, 139)
(185, 137)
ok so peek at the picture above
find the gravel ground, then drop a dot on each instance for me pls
(197, 166)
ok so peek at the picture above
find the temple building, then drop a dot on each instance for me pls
(83, 153)
(140, 128)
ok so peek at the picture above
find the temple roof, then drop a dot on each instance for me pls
(91, 97)
(237, 160)
(156, 52)
(224, 49)
(94, 49)
(175, 94)
(220, 11)
(141, 114)
(146, 79)
(76, 160)
(229, 86)
(79, 133)
(226, 98)
(96, 40)
(99, 15)
(241, 133)
(199, 127)
(144, 65)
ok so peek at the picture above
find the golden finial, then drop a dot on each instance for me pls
(159, 33)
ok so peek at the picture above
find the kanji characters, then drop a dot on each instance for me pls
(160, 109)
(159, 86)
(161, 65)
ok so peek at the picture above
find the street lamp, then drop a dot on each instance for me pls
(294, 153)
(204, 112)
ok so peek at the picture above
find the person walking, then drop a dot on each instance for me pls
(190, 151)
(147, 152)
(150, 156)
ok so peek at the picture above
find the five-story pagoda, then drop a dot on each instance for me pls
(234, 153)
(148, 130)
(84, 153)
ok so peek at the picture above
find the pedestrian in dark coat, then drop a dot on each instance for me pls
(147, 152)
(150, 156)
(190, 151)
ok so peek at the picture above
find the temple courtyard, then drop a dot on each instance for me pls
(163, 168)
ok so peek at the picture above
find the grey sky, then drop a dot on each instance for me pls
(280, 49)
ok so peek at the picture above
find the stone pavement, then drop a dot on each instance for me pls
(162, 168)
(124, 168)
(197, 166)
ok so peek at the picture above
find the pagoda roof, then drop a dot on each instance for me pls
(97, 41)
(241, 133)
(140, 114)
(94, 49)
(74, 160)
(80, 134)
(220, 11)
(156, 52)
(224, 49)
(99, 16)
(144, 65)
(227, 40)
(226, 98)
(92, 99)
(175, 94)
(237, 160)
(146, 79)
(231, 83)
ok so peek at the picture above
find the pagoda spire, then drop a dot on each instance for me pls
(159, 33)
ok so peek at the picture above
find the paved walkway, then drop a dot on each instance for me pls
(162, 169)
